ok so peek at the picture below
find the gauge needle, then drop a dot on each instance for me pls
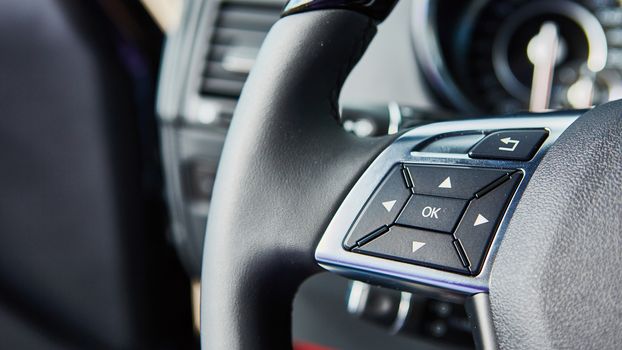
(542, 52)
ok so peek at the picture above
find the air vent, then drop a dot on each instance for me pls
(238, 33)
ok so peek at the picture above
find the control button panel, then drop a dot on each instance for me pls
(416, 246)
(437, 216)
(432, 213)
(510, 144)
(481, 218)
(382, 209)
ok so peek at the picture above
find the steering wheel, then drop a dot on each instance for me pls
(293, 188)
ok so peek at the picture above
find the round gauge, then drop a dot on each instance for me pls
(505, 56)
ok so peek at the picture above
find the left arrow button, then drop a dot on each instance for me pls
(381, 209)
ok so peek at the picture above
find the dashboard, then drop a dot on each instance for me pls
(430, 60)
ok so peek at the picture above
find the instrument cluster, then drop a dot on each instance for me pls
(485, 56)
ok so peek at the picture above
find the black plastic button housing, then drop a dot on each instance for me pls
(382, 209)
(436, 216)
(452, 182)
(416, 246)
(510, 144)
(459, 144)
(432, 213)
(481, 219)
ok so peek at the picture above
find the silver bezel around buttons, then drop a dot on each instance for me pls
(331, 255)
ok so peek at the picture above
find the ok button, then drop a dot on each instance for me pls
(432, 213)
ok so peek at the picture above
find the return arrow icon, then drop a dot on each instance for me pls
(507, 141)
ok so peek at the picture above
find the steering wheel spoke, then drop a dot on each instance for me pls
(454, 197)
(482, 223)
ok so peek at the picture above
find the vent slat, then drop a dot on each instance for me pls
(239, 31)
(241, 18)
(221, 87)
(238, 37)
(216, 70)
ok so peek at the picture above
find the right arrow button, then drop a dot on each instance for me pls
(481, 219)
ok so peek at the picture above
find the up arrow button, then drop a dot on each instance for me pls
(452, 182)
(446, 183)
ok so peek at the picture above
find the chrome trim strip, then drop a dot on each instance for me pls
(395, 117)
(331, 255)
(402, 312)
(357, 298)
(478, 310)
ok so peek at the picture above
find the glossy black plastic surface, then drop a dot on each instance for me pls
(382, 208)
(452, 182)
(416, 246)
(432, 213)
(481, 219)
(510, 144)
(376, 9)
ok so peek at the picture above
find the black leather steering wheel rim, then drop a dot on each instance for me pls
(556, 279)
(287, 165)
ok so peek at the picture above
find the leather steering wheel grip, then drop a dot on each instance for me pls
(557, 278)
(285, 168)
